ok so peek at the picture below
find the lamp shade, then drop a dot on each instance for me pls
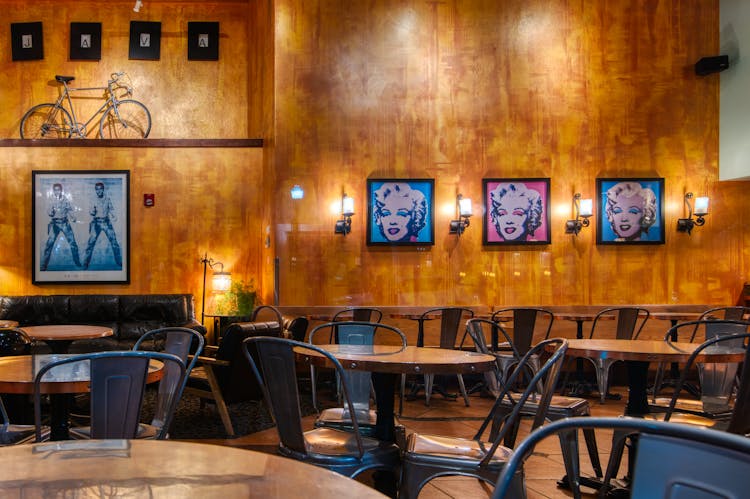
(221, 281)
(587, 208)
(701, 206)
(347, 206)
(464, 207)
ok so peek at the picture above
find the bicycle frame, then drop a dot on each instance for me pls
(78, 127)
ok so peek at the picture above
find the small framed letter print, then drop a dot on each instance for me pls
(26, 41)
(630, 211)
(86, 41)
(400, 212)
(145, 40)
(203, 41)
(517, 211)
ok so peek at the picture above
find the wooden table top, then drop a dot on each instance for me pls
(397, 359)
(66, 332)
(676, 316)
(17, 375)
(161, 469)
(7, 323)
(646, 350)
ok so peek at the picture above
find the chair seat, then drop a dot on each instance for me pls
(689, 406)
(16, 434)
(336, 415)
(570, 406)
(685, 418)
(471, 451)
(331, 442)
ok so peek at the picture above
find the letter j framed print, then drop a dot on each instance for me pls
(80, 227)
(400, 212)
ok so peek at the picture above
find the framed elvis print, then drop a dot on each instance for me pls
(26, 41)
(400, 212)
(630, 211)
(85, 41)
(203, 41)
(145, 40)
(516, 211)
(81, 226)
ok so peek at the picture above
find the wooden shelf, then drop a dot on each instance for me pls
(131, 143)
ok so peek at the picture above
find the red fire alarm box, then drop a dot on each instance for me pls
(148, 200)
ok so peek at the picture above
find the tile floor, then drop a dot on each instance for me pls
(450, 417)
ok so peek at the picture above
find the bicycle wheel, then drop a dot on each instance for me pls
(46, 121)
(131, 120)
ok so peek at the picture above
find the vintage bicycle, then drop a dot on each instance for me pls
(120, 118)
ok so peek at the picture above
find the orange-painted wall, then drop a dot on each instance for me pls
(458, 91)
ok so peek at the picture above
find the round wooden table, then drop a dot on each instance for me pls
(59, 337)
(6, 324)
(637, 354)
(163, 469)
(388, 362)
(17, 376)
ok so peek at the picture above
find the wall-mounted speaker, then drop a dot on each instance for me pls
(707, 65)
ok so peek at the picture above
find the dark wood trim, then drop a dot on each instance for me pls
(131, 143)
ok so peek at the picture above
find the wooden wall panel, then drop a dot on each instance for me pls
(187, 99)
(464, 89)
(206, 202)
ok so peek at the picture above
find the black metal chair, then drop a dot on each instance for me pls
(345, 452)
(451, 320)
(355, 333)
(485, 455)
(117, 381)
(529, 323)
(732, 313)
(629, 324)
(265, 313)
(560, 407)
(672, 460)
(14, 342)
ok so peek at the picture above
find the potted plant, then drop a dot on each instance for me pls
(239, 300)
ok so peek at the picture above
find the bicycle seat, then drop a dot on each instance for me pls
(64, 79)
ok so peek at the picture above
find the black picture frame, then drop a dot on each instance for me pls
(27, 41)
(408, 222)
(85, 41)
(80, 226)
(203, 41)
(630, 211)
(516, 211)
(145, 40)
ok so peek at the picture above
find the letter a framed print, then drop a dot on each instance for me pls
(400, 212)
(81, 227)
(517, 211)
(630, 211)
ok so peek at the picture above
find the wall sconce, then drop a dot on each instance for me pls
(464, 212)
(220, 281)
(137, 6)
(701, 210)
(583, 209)
(344, 226)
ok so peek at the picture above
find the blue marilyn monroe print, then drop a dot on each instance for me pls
(400, 212)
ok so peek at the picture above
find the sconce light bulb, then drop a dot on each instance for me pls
(297, 192)
(701, 206)
(464, 207)
(137, 6)
(587, 208)
(347, 206)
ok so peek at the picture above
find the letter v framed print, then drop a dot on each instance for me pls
(80, 227)
(400, 212)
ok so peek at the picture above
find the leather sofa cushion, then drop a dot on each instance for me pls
(35, 310)
(142, 313)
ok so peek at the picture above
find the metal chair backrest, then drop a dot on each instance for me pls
(671, 459)
(117, 383)
(733, 313)
(546, 378)
(275, 313)
(359, 314)
(524, 325)
(630, 321)
(739, 421)
(477, 328)
(450, 322)
(178, 341)
(275, 371)
(355, 332)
